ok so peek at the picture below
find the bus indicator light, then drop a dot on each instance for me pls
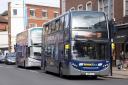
(67, 46)
(87, 65)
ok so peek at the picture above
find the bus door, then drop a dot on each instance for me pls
(27, 51)
(61, 52)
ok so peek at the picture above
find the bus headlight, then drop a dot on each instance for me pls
(81, 64)
(106, 65)
(100, 64)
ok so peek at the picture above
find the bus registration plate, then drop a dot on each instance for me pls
(89, 73)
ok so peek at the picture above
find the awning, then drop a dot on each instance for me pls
(120, 40)
(121, 36)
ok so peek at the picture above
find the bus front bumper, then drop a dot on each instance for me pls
(33, 63)
(74, 71)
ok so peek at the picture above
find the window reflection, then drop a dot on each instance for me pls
(90, 50)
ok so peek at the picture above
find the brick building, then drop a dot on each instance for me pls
(88, 5)
(38, 14)
(114, 9)
(121, 20)
(78, 5)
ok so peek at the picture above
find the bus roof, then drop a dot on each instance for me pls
(29, 30)
(69, 12)
(35, 28)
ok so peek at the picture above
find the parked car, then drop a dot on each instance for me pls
(10, 58)
(2, 58)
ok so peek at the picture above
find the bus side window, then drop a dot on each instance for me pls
(53, 26)
(66, 35)
(46, 29)
(66, 21)
(62, 23)
(56, 52)
(61, 50)
(66, 28)
(49, 28)
(49, 50)
(57, 25)
(52, 51)
(19, 54)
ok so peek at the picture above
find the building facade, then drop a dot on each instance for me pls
(88, 5)
(116, 10)
(3, 33)
(24, 16)
(16, 21)
(121, 22)
(38, 14)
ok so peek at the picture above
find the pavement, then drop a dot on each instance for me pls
(119, 73)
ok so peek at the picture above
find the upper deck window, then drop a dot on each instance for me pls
(89, 25)
(88, 20)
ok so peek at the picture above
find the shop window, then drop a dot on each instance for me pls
(62, 23)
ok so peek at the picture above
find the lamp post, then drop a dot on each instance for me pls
(110, 8)
(110, 4)
(25, 15)
(9, 27)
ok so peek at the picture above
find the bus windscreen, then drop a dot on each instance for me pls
(90, 50)
(94, 24)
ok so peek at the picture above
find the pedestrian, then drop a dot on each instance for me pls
(122, 59)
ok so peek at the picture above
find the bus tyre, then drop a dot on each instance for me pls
(94, 77)
(60, 71)
(24, 65)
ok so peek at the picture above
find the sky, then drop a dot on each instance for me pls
(4, 3)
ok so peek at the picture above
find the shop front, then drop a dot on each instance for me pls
(121, 45)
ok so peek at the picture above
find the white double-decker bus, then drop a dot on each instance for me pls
(28, 47)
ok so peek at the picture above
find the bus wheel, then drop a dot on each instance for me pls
(60, 71)
(94, 77)
(24, 65)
